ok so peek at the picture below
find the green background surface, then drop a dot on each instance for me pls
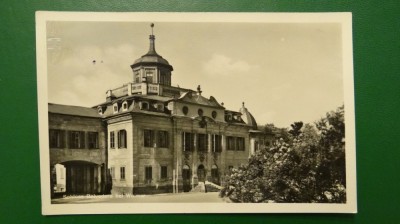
(376, 42)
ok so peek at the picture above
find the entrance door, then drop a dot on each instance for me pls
(81, 178)
(186, 178)
(201, 173)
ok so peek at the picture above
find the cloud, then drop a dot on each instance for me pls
(223, 65)
(76, 74)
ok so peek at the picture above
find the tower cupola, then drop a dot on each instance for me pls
(152, 67)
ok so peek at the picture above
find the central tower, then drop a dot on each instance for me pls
(152, 67)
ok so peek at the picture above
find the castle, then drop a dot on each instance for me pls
(148, 137)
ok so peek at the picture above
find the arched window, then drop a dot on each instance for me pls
(125, 106)
(115, 108)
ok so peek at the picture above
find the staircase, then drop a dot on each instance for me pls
(211, 187)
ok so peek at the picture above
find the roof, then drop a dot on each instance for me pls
(190, 97)
(73, 110)
(248, 117)
(155, 97)
(137, 96)
(151, 57)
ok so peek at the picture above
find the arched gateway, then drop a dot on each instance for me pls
(82, 177)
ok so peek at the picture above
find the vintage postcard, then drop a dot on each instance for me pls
(196, 112)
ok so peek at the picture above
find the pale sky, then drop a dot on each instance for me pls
(283, 72)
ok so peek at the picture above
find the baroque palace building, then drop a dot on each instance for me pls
(149, 137)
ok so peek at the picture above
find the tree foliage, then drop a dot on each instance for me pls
(309, 167)
(296, 128)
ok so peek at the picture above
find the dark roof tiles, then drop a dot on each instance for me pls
(73, 110)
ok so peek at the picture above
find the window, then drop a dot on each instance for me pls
(162, 139)
(148, 174)
(57, 138)
(185, 110)
(202, 142)
(235, 143)
(148, 136)
(187, 141)
(230, 143)
(93, 140)
(125, 106)
(240, 144)
(164, 173)
(112, 140)
(121, 139)
(144, 106)
(149, 75)
(216, 143)
(160, 107)
(200, 112)
(214, 114)
(115, 108)
(76, 139)
(136, 76)
(112, 172)
(256, 146)
(122, 173)
(100, 110)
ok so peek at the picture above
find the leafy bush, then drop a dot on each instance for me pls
(308, 168)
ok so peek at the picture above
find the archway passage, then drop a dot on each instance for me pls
(82, 177)
(186, 175)
(201, 173)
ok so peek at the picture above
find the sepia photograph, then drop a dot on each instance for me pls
(196, 112)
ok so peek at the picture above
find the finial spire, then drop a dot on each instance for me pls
(199, 89)
(152, 49)
(243, 104)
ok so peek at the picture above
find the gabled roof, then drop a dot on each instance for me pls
(73, 110)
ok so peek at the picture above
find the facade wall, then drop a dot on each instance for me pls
(120, 155)
(76, 123)
(85, 170)
(152, 155)
(193, 111)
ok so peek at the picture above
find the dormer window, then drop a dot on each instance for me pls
(144, 106)
(100, 110)
(125, 106)
(115, 108)
(160, 107)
